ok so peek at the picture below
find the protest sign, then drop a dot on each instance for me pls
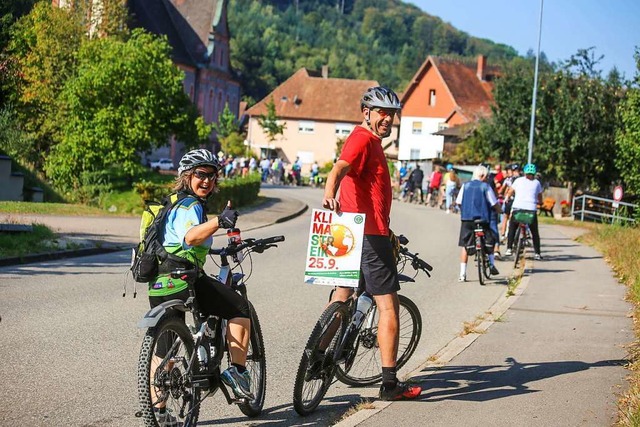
(335, 248)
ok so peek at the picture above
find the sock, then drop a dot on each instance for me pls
(492, 258)
(463, 269)
(240, 368)
(389, 379)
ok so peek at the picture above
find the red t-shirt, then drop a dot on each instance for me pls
(367, 187)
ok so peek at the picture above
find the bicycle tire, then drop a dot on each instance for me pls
(257, 367)
(171, 331)
(480, 264)
(366, 368)
(308, 392)
(518, 253)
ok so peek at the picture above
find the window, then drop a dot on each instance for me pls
(442, 126)
(416, 128)
(414, 154)
(432, 97)
(343, 129)
(306, 126)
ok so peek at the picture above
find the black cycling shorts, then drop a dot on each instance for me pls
(378, 267)
(467, 238)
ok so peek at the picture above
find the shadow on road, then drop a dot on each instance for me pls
(482, 383)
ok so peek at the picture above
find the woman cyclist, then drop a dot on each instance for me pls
(188, 235)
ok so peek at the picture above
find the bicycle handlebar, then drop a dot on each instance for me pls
(257, 245)
(416, 262)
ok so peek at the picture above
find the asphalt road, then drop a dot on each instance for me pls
(70, 343)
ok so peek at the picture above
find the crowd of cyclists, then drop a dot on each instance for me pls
(442, 185)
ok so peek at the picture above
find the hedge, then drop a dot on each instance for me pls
(242, 191)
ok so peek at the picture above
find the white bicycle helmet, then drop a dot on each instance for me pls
(380, 97)
(198, 157)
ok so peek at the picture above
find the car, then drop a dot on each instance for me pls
(164, 164)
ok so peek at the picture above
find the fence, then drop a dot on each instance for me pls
(594, 208)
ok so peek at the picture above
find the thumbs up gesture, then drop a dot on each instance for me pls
(228, 217)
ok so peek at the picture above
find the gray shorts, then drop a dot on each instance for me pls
(378, 268)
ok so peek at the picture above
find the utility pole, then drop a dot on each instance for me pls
(535, 89)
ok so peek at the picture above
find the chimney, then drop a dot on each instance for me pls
(325, 71)
(481, 71)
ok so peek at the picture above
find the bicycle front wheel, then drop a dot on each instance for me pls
(165, 390)
(366, 368)
(317, 368)
(257, 367)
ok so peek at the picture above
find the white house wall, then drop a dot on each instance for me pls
(430, 146)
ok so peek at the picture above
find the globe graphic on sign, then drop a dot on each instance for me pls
(341, 241)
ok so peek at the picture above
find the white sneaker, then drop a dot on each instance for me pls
(538, 257)
(462, 278)
(508, 252)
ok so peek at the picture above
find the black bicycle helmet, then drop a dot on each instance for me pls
(380, 97)
(198, 157)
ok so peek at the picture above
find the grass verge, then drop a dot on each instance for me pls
(40, 240)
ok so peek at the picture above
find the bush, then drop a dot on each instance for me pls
(241, 192)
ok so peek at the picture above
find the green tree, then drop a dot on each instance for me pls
(269, 122)
(229, 134)
(126, 98)
(43, 50)
(628, 135)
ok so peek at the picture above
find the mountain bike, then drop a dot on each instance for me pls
(180, 365)
(523, 218)
(349, 337)
(482, 259)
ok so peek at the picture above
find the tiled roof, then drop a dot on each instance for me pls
(186, 23)
(307, 95)
(471, 95)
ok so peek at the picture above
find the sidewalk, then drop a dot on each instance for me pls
(555, 358)
(93, 235)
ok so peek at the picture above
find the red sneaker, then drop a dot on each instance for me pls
(402, 391)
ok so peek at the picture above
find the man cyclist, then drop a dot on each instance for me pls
(362, 175)
(415, 178)
(528, 194)
(434, 185)
(476, 199)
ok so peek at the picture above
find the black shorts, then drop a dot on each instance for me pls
(467, 237)
(507, 206)
(213, 298)
(378, 267)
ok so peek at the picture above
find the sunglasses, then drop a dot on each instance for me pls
(202, 175)
(384, 113)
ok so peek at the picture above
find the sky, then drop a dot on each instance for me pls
(611, 26)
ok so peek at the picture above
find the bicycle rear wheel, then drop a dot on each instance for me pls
(163, 378)
(257, 367)
(480, 263)
(316, 369)
(519, 247)
(366, 368)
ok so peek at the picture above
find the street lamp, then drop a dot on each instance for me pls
(535, 89)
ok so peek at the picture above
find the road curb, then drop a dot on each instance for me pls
(453, 348)
(51, 256)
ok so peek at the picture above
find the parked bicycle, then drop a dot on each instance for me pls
(180, 365)
(523, 218)
(348, 333)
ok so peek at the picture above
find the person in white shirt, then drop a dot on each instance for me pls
(528, 194)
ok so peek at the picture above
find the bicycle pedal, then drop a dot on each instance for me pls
(240, 400)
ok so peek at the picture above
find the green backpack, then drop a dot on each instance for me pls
(150, 257)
